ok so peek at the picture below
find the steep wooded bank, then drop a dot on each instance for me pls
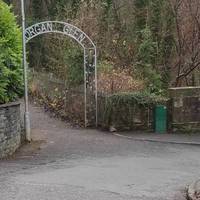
(156, 41)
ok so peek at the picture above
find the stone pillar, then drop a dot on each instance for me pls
(185, 108)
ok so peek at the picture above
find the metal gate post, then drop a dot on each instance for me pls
(96, 84)
(26, 114)
(85, 87)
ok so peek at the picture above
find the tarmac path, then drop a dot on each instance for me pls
(65, 163)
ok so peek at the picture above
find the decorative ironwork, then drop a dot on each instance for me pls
(90, 60)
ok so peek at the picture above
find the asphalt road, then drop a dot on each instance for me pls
(64, 163)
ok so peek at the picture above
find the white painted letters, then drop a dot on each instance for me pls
(57, 27)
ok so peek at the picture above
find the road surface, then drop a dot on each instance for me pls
(65, 163)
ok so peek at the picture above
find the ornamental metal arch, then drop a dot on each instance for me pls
(90, 60)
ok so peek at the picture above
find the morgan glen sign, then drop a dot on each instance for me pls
(55, 27)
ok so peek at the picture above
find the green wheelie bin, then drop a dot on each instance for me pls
(160, 119)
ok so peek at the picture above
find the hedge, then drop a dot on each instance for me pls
(11, 74)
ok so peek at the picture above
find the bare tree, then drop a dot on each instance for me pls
(187, 42)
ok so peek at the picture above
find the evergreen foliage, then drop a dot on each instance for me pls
(146, 62)
(11, 78)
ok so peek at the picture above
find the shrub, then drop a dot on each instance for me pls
(120, 108)
(11, 79)
(112, 80)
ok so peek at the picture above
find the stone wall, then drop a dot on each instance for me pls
(185, 109)
(124, 118)
(10, 129)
